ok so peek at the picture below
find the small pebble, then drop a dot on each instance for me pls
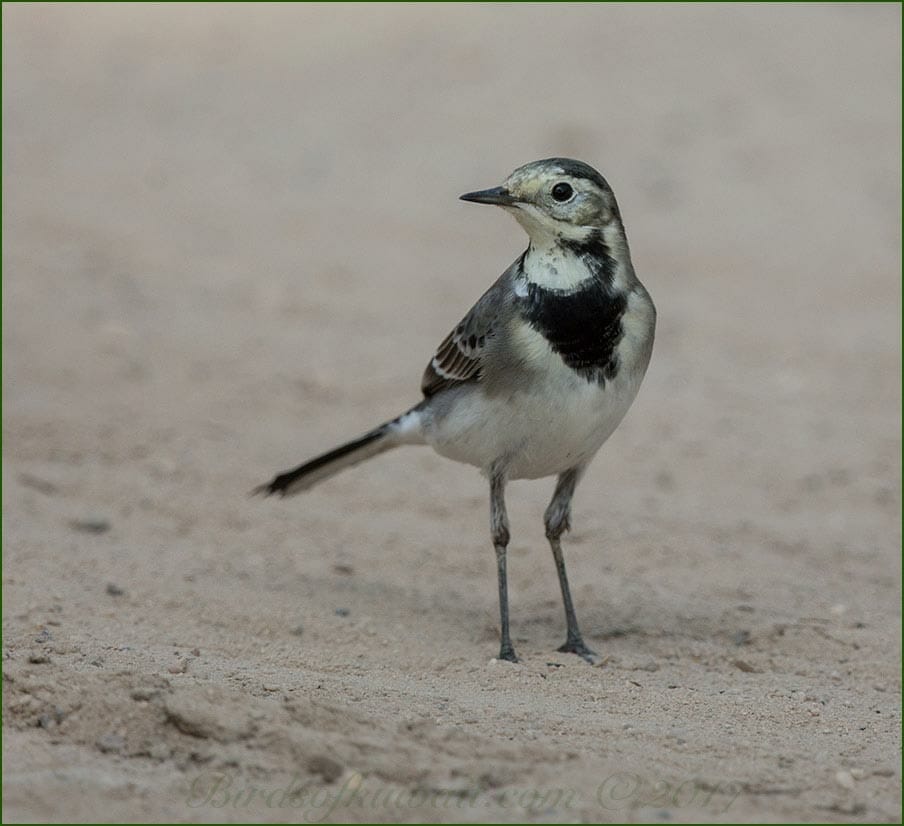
(270, 687)
(44, 636)
(341, 568)
(845, 779)
(858, 774)
(114, 590)
(838, 610)
(298, 630)
(144, 694)
(95, 526)
(110, 743)
(342, 612)
(741, 637)
(38, 659)
(196, 652)
(326, 767)
(160, 751)
(745, 666)
(178, 668)
(38, 484)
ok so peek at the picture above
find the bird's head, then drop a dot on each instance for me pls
(555, 198)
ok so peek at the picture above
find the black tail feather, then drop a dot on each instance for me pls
(320, 467)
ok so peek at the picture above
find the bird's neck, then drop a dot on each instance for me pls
(570, 264)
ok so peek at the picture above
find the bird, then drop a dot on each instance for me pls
(538, 374)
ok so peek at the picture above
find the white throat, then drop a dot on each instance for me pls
(554, 268)
(552, 265)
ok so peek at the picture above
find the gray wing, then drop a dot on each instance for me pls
(460, 357)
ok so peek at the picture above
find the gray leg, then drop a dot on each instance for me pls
(558, 520)
(500, 530)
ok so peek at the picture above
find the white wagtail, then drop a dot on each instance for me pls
(542, 369)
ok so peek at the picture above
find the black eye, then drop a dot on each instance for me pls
(562, 192)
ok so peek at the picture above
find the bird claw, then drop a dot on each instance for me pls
(507, 653)
(585, 653)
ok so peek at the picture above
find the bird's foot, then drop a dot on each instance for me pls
(576, 646)
(507, 653)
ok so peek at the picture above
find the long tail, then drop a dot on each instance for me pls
(404, 430)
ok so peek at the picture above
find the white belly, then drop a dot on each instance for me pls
(553, 421)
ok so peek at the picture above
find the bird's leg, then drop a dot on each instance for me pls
(500, 530)
(558, 520)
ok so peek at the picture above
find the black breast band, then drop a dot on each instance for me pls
(583, 327)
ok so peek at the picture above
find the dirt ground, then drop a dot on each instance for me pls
(231, 239)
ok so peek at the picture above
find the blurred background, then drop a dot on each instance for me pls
(244, 217)
(232, 239)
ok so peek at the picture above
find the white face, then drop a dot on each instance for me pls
(551, 201)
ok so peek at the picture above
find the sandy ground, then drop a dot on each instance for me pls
(232, 239)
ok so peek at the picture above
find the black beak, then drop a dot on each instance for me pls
(497, 195)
